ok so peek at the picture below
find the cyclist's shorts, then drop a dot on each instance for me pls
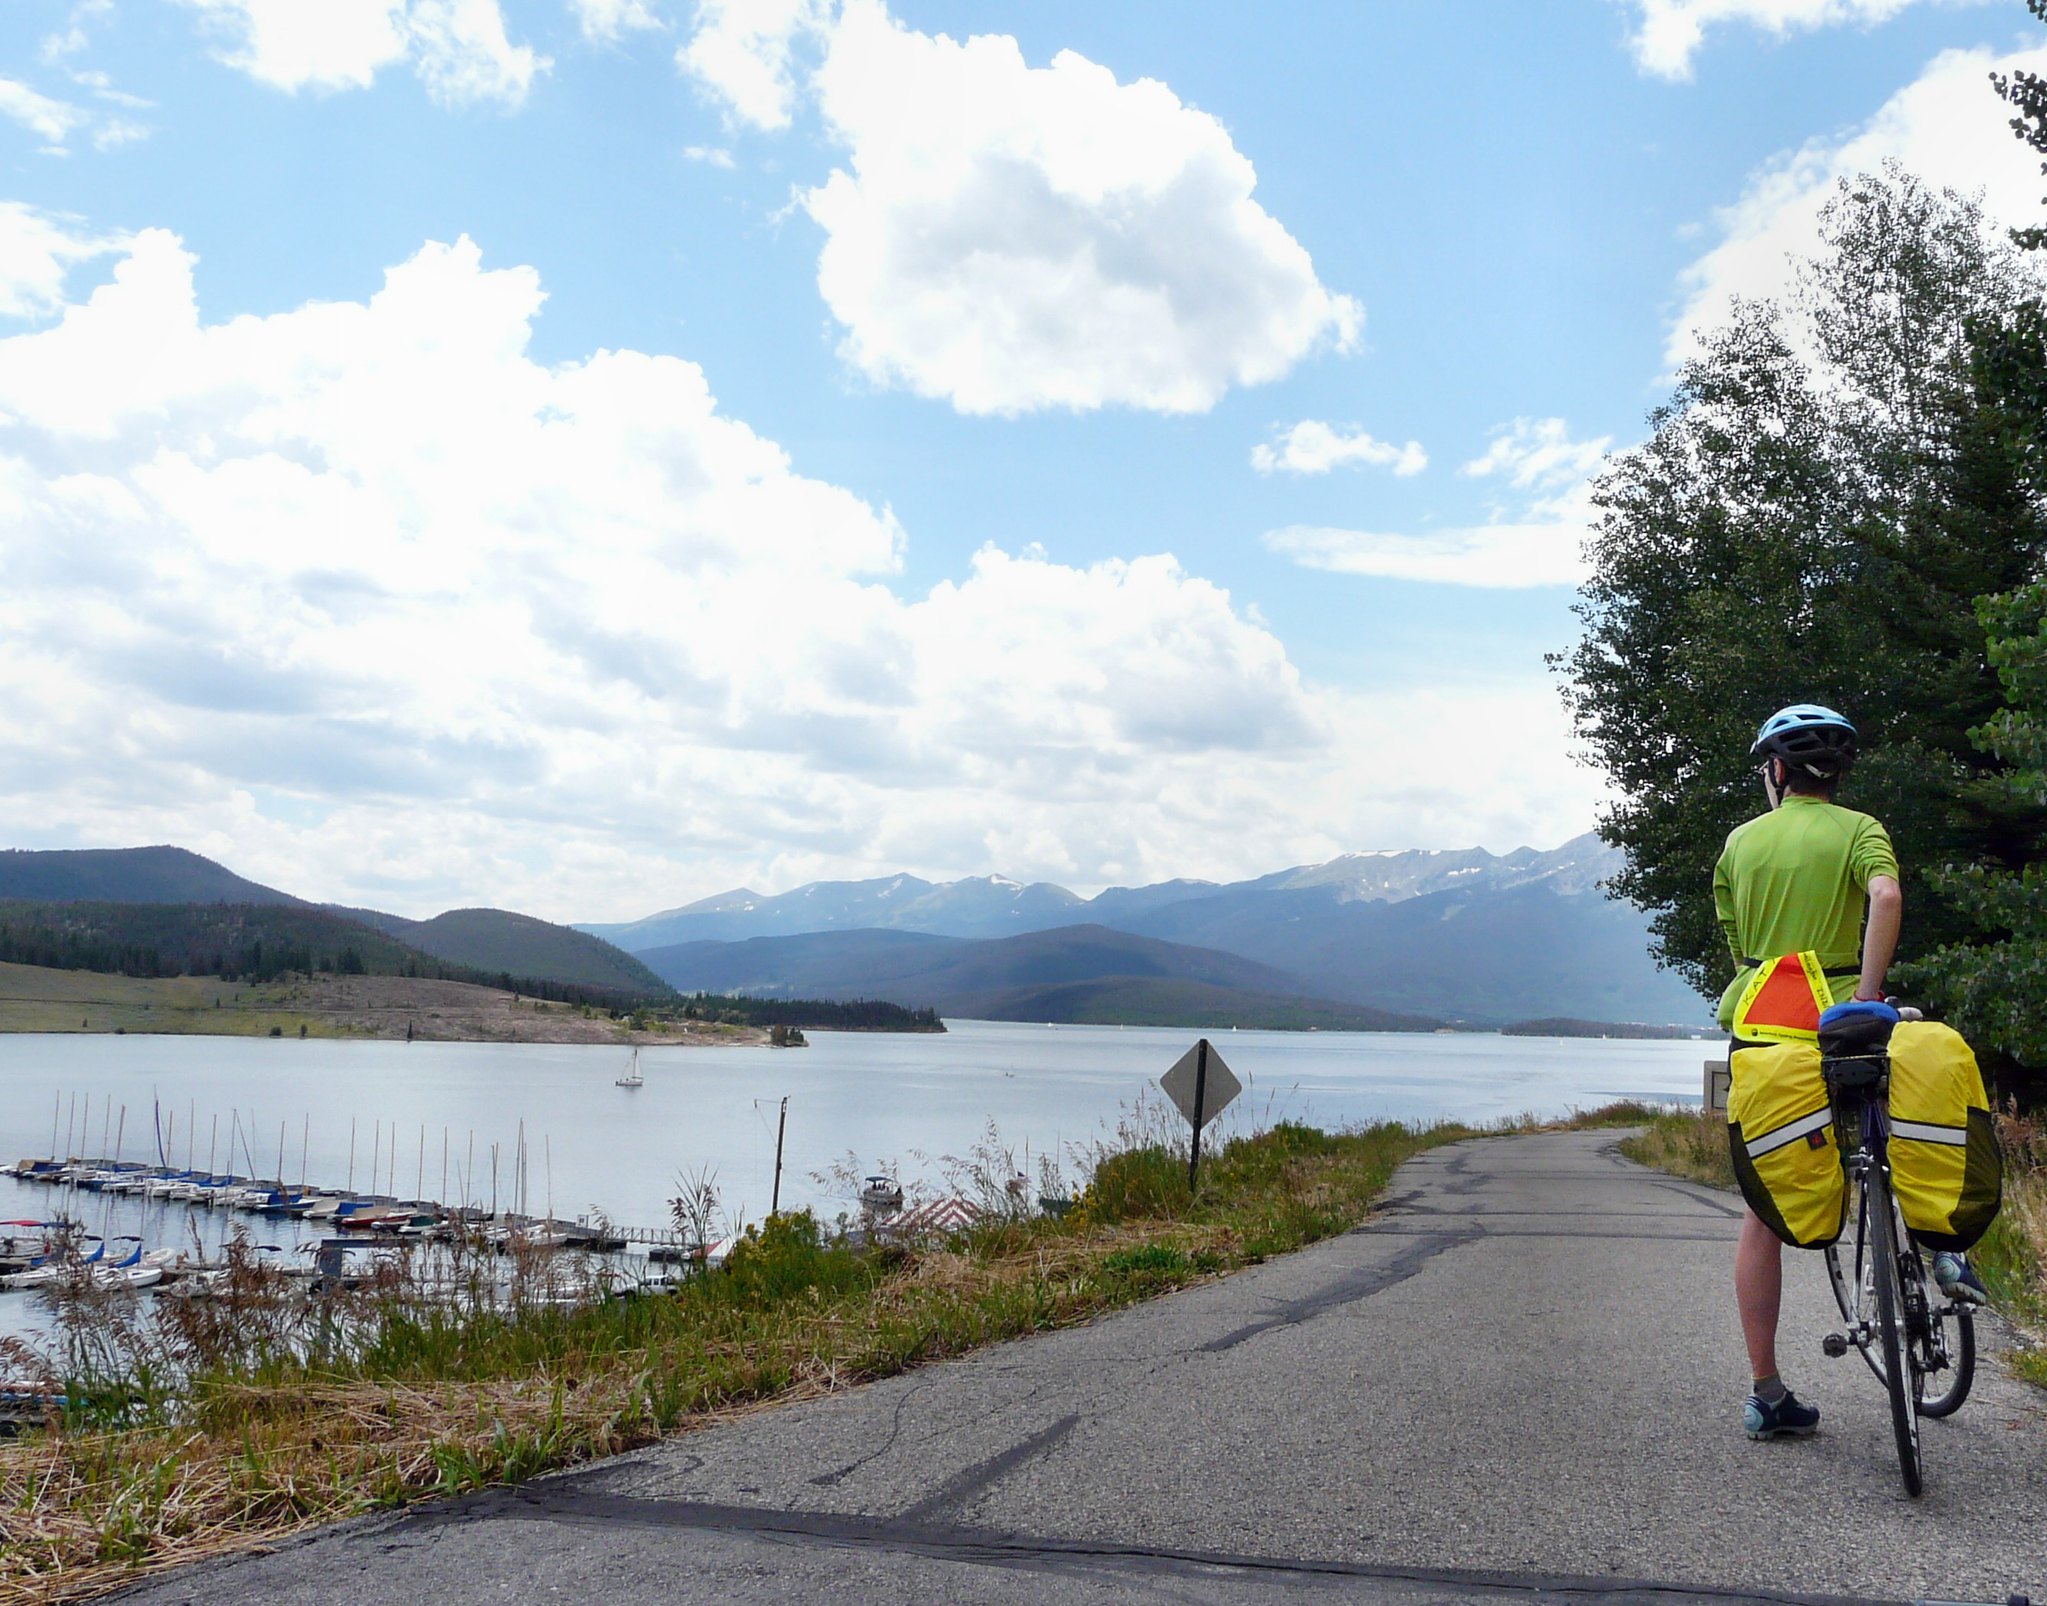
(1780, 1128)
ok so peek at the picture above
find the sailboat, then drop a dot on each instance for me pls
(632, 1077)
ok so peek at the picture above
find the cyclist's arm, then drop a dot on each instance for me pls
(1880, 934)
(1723, 909)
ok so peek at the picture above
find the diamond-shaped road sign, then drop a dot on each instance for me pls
(1216, 1088)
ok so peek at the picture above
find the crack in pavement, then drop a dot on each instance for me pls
(1538, 1232)
(826, 1480)
(911, 1534)
(1699, 1194)
(1349, 1290)
(983, 1475)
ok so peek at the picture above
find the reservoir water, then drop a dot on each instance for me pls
(906, 1099)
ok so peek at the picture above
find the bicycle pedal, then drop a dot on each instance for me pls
(1835, 1345)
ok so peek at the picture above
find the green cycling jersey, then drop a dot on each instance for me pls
(1797, 879)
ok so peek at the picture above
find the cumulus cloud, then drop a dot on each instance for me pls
(37, 251)
(1948, 126)
(1313, 447)
(741, 53)
(1539, 542)
(51, 121)
(612, 20)
(1670, 32)
(458, 48)
(76, 35)
(1013, 238)
(1503, 556)
(1538, 453)
(364, 598)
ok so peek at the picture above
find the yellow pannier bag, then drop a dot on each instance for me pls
(1780, 1127)
(1945, 1164)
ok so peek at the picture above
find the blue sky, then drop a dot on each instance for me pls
(1089, 442)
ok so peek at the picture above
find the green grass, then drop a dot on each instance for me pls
(1686, 1143)
(35, 999)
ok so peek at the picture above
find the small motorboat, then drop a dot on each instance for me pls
(881, 1195)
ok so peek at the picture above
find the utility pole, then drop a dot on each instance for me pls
(781, 1126)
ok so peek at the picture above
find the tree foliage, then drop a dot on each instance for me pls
(1837, 479)
(2000, 982)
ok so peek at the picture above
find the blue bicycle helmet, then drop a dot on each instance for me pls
(1816, 739)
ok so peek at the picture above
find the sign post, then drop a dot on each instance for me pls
(1202, 1086)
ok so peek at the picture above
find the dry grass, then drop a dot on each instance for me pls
(2012, 1258)
(412, 1398)
(1685, 1143)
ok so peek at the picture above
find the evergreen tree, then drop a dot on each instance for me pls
(1837, 479)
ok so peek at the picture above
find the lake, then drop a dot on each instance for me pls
(907, 1099)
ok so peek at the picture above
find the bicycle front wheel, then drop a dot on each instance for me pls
(1898, 1373)
(1848, 1274)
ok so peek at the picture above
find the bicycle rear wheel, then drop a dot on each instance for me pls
(1899, 1372)
(1956, 1334)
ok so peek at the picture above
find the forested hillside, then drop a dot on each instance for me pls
(245, 942)
(126, 875)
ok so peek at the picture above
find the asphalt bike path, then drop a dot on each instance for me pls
(1520, 1381)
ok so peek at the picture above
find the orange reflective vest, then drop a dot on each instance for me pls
(1784, 1000)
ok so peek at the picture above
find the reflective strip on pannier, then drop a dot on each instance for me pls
(1781, 1127)
(1945, 1166)
(1925, 1132)
(1788, 1132)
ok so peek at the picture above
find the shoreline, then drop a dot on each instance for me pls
(368, 1008)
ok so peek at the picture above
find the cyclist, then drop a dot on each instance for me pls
(1807, 876)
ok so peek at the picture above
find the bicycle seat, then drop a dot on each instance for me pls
(1856, 1029)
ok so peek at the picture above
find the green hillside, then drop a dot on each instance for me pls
(250, 942)
(90, 909)
(498, 941)
(126, 875)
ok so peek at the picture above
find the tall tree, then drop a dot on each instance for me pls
(1997, 975)
(1831, 487)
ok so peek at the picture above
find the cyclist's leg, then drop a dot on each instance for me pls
(1759, 1292)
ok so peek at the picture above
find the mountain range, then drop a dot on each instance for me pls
(1462, 935)
(1397, 940)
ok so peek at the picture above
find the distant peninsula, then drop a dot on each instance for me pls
(1564, 1026)
(163, 940)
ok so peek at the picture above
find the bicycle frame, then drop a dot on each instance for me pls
(1901, 1333)
(1867, 1113)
